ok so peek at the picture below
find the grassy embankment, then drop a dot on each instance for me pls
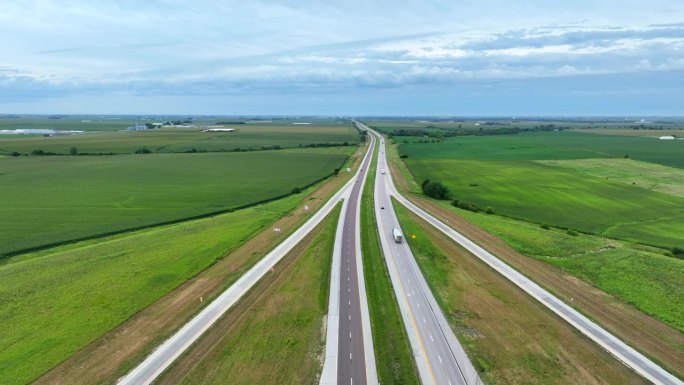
(49, 200)
(640, 276)
(274, 335)
(393, 355)
(509, 337)
(172, 140)
(58, 300)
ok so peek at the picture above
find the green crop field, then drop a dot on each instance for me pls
(66, 123)
(54, 302)
(652, 176)
(52, 199)
(561, 198)
(548, 145)
(246, 137)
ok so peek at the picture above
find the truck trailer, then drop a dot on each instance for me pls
(396, 234)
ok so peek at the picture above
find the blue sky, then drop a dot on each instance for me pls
(487, 57)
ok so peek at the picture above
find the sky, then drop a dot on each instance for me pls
(441, 58)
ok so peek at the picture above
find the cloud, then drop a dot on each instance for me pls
(92, 49)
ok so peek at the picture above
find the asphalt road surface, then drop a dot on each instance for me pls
(439, 356)
(351, 362)
(623, 352)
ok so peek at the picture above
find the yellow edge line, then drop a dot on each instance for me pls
(427, 361)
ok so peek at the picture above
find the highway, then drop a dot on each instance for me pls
(354, 349)
(438, 354)
(630, 357)
(165, 354)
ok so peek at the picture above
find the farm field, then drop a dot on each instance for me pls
(275, 334)
(56, 301)
(48, 200)
(547, 145)
(678, 131)
(621, 308)
(114, 353)
(85, 123)
(393, 356)
(164, 140)
(667, 180)
(509, 337)
(561, 198)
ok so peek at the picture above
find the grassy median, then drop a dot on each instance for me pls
(509, 337)
(275, 333)
(392, 349)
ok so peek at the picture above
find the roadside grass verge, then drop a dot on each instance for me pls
(394, 358)
(56, 302)
(275, 334)
(509, 337)
(51, 200)
(645, 279)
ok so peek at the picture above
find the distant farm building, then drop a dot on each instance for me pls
(218, 129)
(137, 127)
(667, 137)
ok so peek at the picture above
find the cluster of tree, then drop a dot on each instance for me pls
(435, 189)
(471, 206)
(42, 153)
(452, 132)
(326, 144)
(441, 133)
(143, 150)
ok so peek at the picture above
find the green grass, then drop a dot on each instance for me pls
(667, 180)
(47, 200)
(507, 335)
(549, 145)
(246, 136)
(279, 339)
(649, 281)
(393, 355)
(563, 198)
(53, 303)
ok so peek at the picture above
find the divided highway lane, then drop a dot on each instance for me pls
(165, 354)
(438, 354)
(354, 339)
(623, 352)
(350, 357)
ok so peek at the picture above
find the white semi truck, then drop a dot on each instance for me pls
(396, 234)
